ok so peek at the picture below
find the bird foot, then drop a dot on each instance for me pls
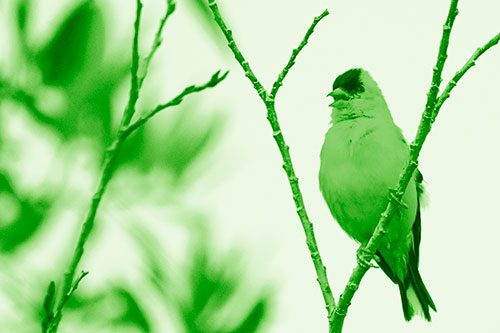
(364, 258)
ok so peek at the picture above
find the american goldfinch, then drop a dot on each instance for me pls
(361, 159)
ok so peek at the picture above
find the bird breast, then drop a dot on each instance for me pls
(360, 160)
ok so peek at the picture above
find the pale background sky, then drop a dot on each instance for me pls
(247, 192)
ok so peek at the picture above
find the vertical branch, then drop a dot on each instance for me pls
(396, 195)
(461, 72)
(269, 102)
(143, 71)
(111, 156)
(109, 162)
(87, 227)
(134, 80)
(432, 108)
(58, 314)
(279, 81)
(236, 52)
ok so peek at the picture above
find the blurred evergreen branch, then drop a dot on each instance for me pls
(20, 216)
(71, 65)
(7, 90)
(201, 294)
(113, 308)
(77, 44)
(124, 131)
(269, 101)
(188, 137)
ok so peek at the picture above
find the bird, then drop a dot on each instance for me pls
(361, 159)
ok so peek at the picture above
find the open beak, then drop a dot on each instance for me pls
(338, 94)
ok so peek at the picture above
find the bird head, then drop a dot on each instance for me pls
(355, 94)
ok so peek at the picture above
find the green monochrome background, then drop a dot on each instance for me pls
(197, 231)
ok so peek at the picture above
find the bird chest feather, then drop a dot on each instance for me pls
(360, 160)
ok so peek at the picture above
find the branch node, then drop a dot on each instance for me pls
(341, 312)
(352, 286)
(396, 198)
(269, 99)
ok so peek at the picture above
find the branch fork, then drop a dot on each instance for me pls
(337, 313)
(51, 322)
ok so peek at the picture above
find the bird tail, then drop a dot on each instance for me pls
(414, 295)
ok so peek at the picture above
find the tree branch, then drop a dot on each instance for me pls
(214, 80)
(237, 54)
(169, 10)
(58, 314)
(111, 155)
(279, 81)
(460, 73)
(134, 79)
(432, 107)
(268, 99)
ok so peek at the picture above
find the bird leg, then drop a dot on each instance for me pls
(364, 258)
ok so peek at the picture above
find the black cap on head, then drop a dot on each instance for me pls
(350, 81)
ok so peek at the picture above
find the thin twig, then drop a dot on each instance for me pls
(460, 73)
(109, 163)
(237, 54)
(214, 80)
(268, 99)
(143, 71)
(279, 81)
(395, 196)
(134, 79)
(58, 314)
(111, 156)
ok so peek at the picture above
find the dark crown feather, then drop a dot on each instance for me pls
(350, 81)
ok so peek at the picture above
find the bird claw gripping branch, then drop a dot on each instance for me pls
(364, 258)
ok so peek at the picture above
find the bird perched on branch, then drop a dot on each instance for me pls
(362, 157)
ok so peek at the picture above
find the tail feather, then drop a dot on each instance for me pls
(415, 298)
(423, 296)
(407, 310)
(414, 295)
